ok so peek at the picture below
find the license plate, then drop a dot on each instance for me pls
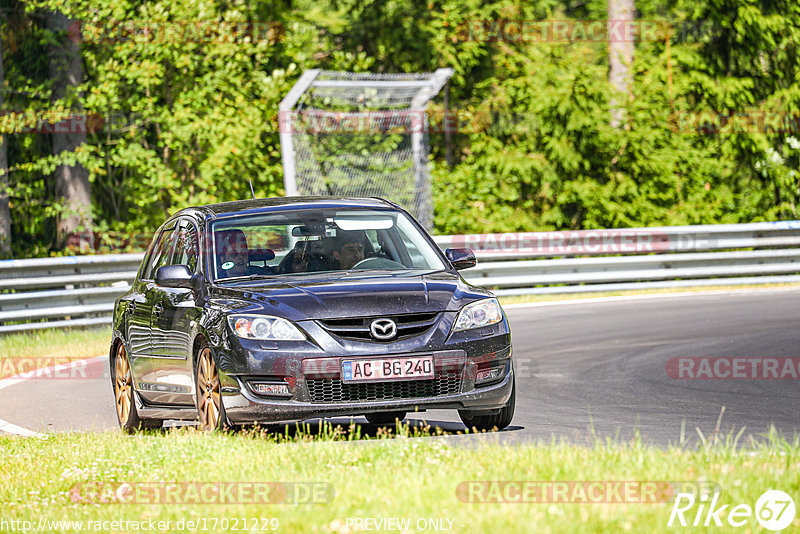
(375, 369)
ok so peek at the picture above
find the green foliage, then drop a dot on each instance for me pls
(551, 161)
(181, 121)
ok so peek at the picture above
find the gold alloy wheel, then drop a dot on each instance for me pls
(122, 384)
(208, 399)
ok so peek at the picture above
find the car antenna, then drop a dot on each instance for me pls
(251, 188)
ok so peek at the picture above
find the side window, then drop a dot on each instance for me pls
(161, 253)
(186, 250)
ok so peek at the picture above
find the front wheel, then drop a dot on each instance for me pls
(209, 401)
(127, 415)
(499, 420)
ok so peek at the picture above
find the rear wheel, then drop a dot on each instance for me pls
(499, 420)
(385, 418)
(209, 401)
(127, 415)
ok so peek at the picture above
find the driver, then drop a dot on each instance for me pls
(236, 255)
(348, 249)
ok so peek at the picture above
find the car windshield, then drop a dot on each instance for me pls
(306, 242)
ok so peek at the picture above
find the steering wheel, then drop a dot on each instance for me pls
(377, 262)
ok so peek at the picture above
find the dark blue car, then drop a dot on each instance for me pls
(279, 310)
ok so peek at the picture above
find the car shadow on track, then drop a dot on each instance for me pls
(365, 430)
(356, 429)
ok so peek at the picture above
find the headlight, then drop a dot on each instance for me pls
(480, 313)
(264, 327)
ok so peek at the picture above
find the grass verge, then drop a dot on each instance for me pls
(66, 345)
(410, 478)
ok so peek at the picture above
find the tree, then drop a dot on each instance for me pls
(185, 112)
(5, 214)
(70, 176)
(620, 53)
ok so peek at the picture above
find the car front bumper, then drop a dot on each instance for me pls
(244, 407)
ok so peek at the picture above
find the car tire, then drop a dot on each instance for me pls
(210, 409)
(499, 420)
(385, 418)
(127, 414)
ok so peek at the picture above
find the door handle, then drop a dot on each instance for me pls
(157, 309)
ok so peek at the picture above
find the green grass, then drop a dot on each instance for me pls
(69, 344)
(407, 477)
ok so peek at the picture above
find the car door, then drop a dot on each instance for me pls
(145, 299)
(140, 308)
(174, 315)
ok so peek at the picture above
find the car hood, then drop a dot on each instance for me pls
(353, 295)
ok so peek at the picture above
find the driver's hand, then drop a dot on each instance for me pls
(300, 262)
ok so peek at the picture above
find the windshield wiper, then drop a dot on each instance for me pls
(380, 271)
(246, 277)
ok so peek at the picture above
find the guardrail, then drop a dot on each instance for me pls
(87, 288)
(80, 290)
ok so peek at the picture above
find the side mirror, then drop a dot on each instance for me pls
(461, 258)
(174, 276)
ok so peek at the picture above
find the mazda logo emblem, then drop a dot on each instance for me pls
(383, 329)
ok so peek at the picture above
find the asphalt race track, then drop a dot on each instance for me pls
(580, 365)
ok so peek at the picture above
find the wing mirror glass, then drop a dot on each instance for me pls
(461, 258)
(174, 276)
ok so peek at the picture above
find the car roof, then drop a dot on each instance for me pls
(238, 207)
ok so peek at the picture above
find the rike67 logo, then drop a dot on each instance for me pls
(774, 510)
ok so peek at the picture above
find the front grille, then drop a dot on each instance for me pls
(357, 328)
(326, 390)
